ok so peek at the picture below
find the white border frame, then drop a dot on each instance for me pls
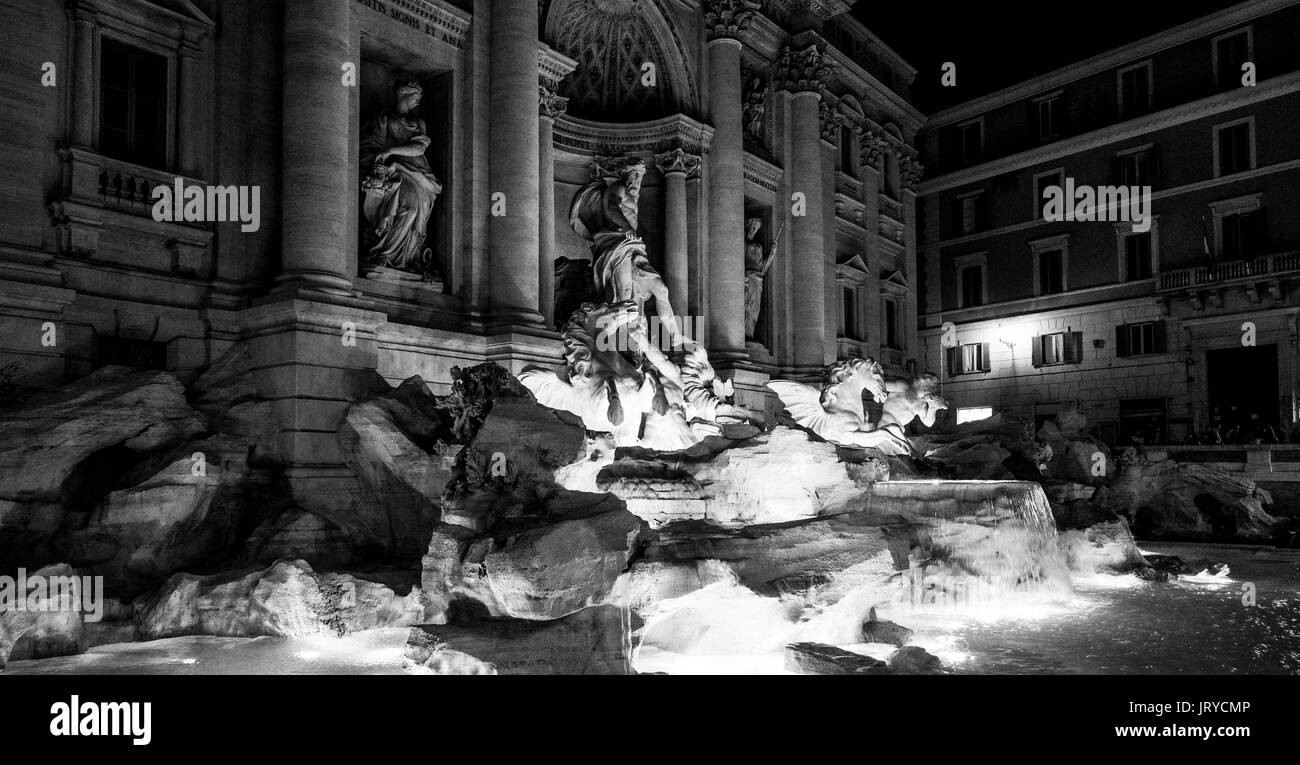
(1247, 30)
(1039, 246)
(978, 260)
(1151, 88)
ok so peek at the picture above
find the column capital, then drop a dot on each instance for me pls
(729, 19)
(550, 104)
(831, 120)
(679, 161)
(909, 170)
(805, 71)
(874, 145)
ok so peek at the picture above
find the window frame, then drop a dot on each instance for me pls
(1124, 113)
(973, 260)
(1235, 206)
(978, 122)
(1215, 62)
(1056, 98)
(134, 50)
(1040, 247)
(1037, 191)
(1249, 121)
(978, 224)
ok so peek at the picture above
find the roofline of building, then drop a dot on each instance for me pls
(1111, 59)
(1274, 87)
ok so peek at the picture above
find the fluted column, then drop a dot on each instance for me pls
(550, 106)
(317, 196)
(726, 21)
(677, 166)
(803, 74)
(514, 170)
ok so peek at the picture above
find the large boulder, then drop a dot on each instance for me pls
(64, 449)
(592, 641)
(822, 659)
(288, 599)
(543, 566)
(50, 622)
(1173, 500)
(1104, 548)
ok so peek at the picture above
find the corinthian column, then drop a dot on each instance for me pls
(317, 250)
(803, 74)
(726, 21)
(677, 166)
(514, 140)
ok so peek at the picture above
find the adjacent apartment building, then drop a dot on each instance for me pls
(1162, 333)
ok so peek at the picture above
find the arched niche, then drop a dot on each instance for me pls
(612, 40)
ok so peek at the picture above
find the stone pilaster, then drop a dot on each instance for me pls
(84, 66)
(514, 140)
(190, 122)
(726, 21)
(803, 74)
(677, 165)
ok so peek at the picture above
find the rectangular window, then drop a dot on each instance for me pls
(1242, 235)
(1137, 257)
(1135, 91)
(973, 413)
(972, 286)
(972, 142)
(1231, 51)
(1051, 272)
(1049, 118)
(847, 146)
(1137, 168)
(133, 105)
(973, 213)
(891, 324)
(1140, 339)
(849, 316)
(1233, 145)
(970, 358)
(1058, 348)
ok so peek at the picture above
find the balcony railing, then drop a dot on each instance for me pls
(890, 208)
(1281, 264)
(848, 185)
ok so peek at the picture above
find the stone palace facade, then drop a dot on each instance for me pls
(778, 139)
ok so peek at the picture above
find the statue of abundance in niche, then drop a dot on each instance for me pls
(400, 190)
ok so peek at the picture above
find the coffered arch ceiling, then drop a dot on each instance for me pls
(612, 40)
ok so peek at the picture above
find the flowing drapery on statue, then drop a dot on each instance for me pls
(605, 213)
(757, 262)
(615, 377)
(400, 188)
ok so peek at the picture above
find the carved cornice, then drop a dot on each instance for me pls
(584, 137)
(440, 19)
(728, 19)
(824, 9)
(553, 66)
(805, 71)
(762, 173)
(550, 104)
(679, 161)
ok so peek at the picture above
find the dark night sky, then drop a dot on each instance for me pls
(996, 44)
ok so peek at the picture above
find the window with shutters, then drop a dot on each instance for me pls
(1058, 348)
(1234, 147)
(1141, 339)
(970, 358)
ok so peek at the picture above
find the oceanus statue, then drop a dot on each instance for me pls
(615, 377)
(835, 412)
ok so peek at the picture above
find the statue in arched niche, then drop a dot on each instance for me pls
(400, 190)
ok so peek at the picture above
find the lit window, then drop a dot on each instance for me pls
(973, 413)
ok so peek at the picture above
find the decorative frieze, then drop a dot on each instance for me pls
(729, 19)
(805, 71)
(581, 136)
